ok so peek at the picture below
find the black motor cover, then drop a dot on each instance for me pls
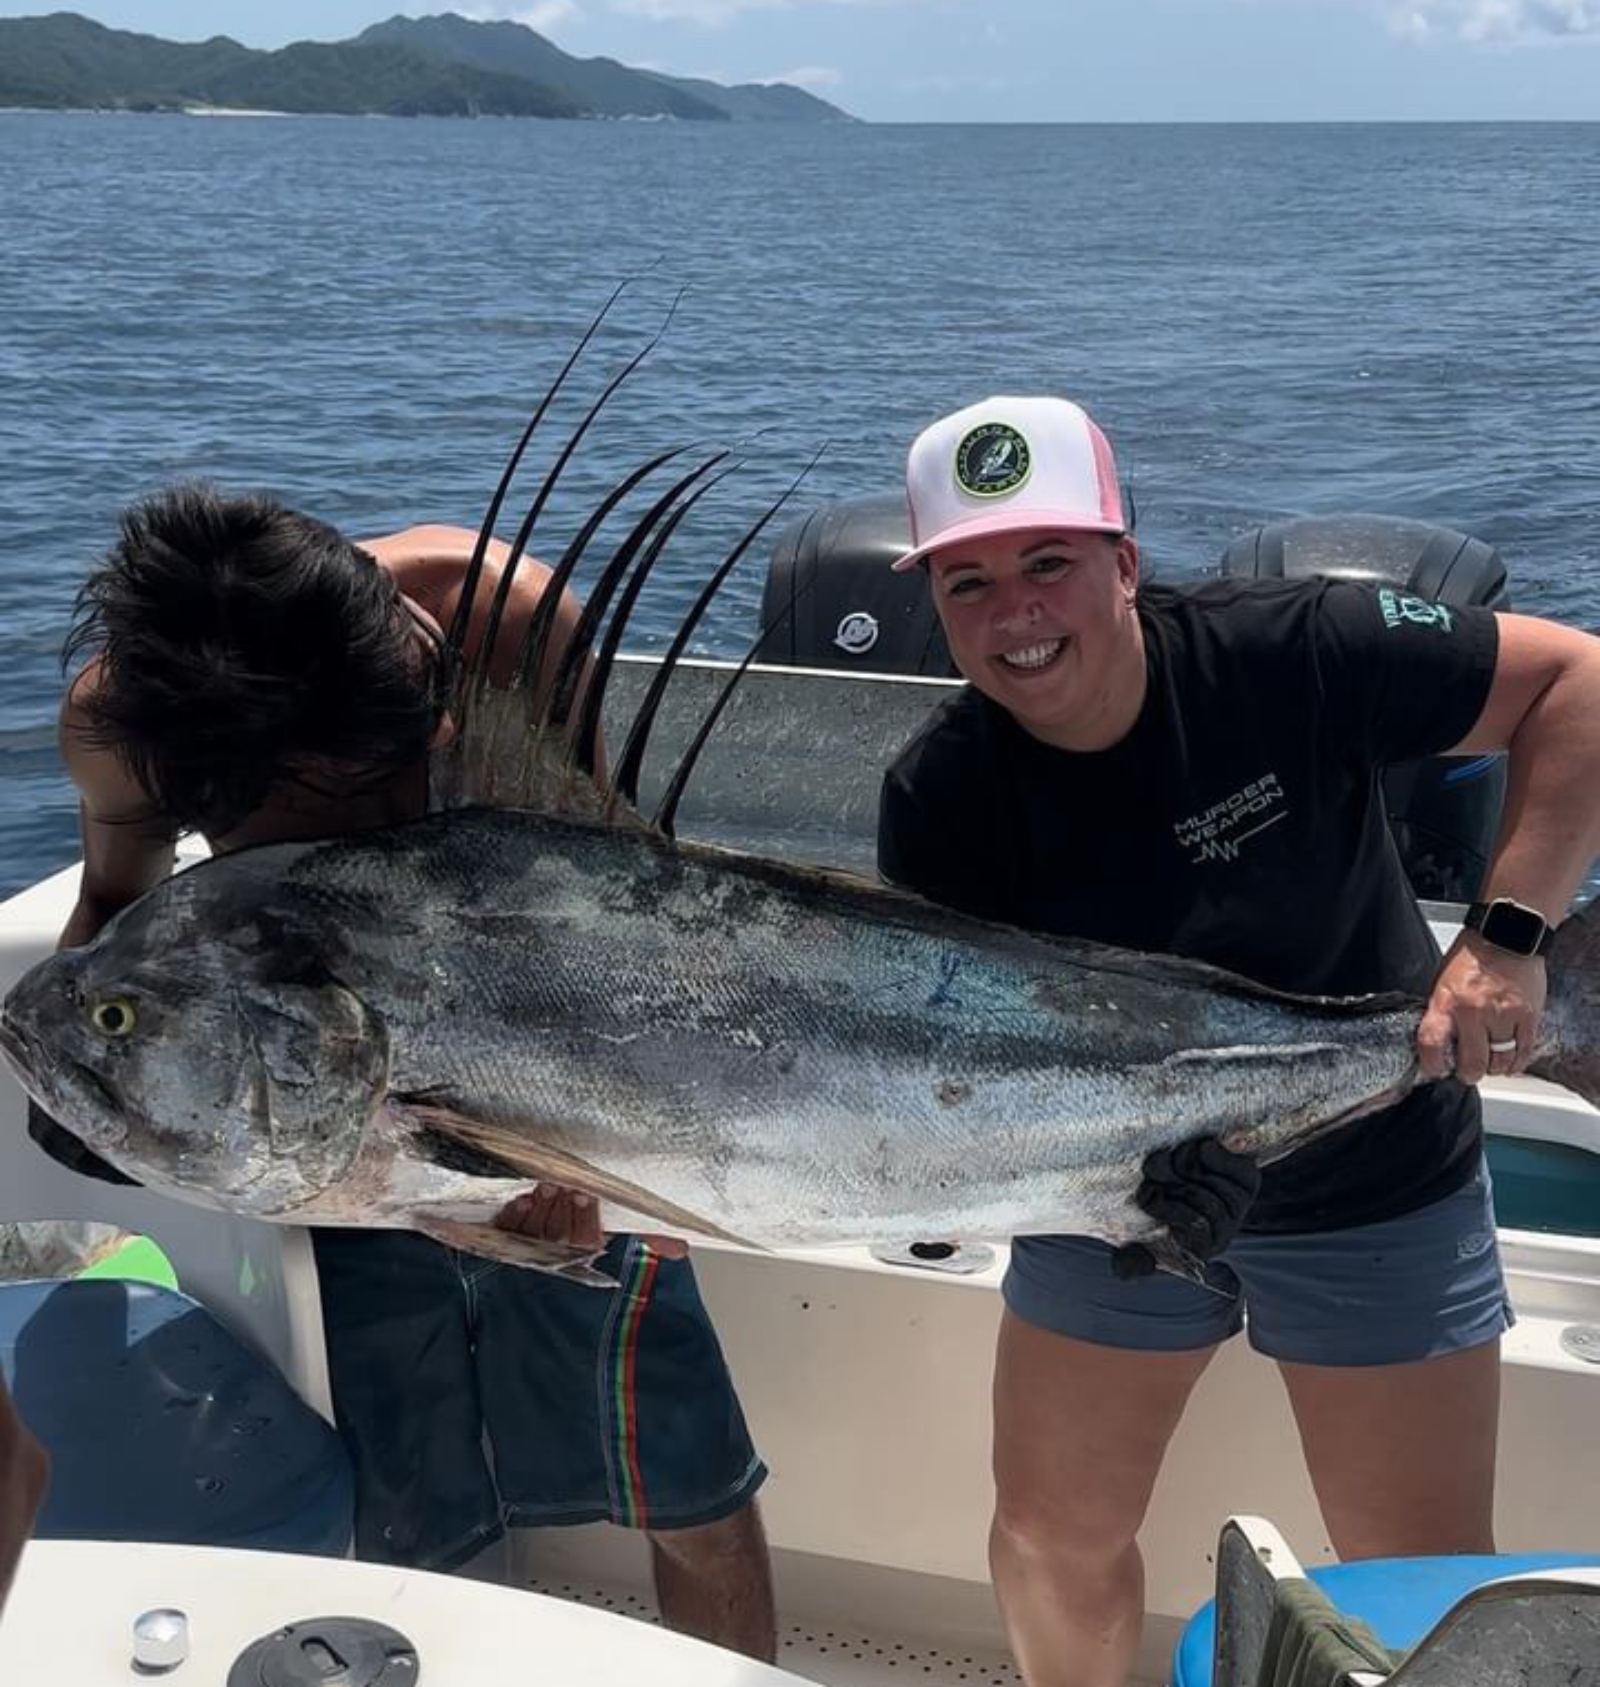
(833, 601)
(1444, 812)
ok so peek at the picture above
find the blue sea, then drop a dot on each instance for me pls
(360, 314)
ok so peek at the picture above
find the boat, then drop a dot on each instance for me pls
(865, 1372)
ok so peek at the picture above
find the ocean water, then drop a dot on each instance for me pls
(360, 314)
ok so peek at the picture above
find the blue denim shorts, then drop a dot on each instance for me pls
(1408, 1288)
(472, 1396)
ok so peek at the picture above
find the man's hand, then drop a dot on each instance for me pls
(1201, 1192)
(554, 1214)
(1484, 1013)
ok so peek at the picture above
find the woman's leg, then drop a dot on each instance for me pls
(1402, 1456)
(1388, 1337)
(1080, 1432)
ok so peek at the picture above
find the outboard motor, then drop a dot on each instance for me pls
(1445, 811)
(831, 600)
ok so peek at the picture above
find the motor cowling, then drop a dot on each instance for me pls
(832, 599)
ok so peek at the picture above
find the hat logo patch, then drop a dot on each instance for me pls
(992, 460)
(857, 633)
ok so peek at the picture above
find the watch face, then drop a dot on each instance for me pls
(1508, 926)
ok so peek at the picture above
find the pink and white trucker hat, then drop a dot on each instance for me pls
(1009, 465)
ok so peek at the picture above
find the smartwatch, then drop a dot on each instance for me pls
(1510, 925)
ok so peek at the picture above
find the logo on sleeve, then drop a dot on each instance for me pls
(1400, 609)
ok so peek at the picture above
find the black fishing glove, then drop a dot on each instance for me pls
(1201, 1192)
(66, 1150)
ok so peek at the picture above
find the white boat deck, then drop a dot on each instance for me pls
(831, 1651)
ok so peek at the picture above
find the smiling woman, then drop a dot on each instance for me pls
(1039, 625)
(1017, 516)
(1197, 774)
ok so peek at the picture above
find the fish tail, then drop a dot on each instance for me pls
(1568, 1050)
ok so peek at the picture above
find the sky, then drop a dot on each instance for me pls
(1029, 60)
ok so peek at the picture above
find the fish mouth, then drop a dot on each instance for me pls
(87, 1078)
(16, 1053)
(17, 1049)
(1033, 658)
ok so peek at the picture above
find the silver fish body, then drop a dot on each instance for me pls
(404, 1027)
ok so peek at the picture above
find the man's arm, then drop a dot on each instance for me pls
(24, 1472)
(1543, 709)
(123, 857)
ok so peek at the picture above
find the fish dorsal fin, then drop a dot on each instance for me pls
(527, 721)
(521, 1155)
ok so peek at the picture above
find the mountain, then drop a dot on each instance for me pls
(760, 102)
(602, 86)
(434, 66)
(65, 60)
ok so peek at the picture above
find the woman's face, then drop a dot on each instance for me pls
(1043, 623)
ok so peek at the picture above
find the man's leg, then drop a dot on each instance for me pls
(1402, 1456)
(396, 1312)
(618, 1405)
(1091, 1378)
(714, 1581)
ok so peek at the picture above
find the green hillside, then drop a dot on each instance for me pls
(435, 66)
(601, 87)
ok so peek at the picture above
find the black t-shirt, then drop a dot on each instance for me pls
(1240, 822)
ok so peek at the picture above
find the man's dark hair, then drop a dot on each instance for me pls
(244, 644)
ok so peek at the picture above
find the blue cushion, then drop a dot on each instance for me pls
(162, 1427)
(1400, 1599)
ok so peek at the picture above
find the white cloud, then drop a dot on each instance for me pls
(807, 76)
(541, 15)
(1520, 22)
(714, 12)
(544, 14)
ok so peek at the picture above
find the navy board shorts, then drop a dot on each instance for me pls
(1403, 1289)
(474, 1396)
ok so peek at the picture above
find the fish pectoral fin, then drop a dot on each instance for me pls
(516, 1155)
(1176, 1261)
(1169, 1256)
(567, 1260)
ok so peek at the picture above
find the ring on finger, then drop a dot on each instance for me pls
(1506, 1046)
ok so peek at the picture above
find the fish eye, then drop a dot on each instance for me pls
(114, 1016)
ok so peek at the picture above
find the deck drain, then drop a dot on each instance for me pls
(1582, 1341)
(960, 1259)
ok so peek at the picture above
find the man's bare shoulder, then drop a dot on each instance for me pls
(431, 559)
(105, 782)
(78, 728)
